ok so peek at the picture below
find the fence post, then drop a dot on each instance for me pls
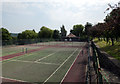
(26, 50)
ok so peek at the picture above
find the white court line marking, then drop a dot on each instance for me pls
(59, 66)
(35, 62)
(45, 57)
(70, 67)
(14, 79)
(47, 63)
(20, 57)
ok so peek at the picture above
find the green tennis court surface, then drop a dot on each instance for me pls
(16, 49)
(47, 65)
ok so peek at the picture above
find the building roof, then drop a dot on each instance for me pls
(71, 35)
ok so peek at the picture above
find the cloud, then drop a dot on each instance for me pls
(0, 15)
(16, 8)
(57, 12)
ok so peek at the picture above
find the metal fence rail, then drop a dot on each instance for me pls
(101, 78)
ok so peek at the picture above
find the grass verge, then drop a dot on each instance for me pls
(111, 50)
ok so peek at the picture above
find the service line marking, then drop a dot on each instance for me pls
(59, 66)
(36, 62)
(9, 60)
(45, 57)
(13, 79)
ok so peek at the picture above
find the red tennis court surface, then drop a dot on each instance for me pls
(77, 72)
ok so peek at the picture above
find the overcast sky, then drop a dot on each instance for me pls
(20, 15)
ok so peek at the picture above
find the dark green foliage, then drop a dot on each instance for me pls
(27, 37)
(19, 36)
(45, 32)
(27, 34)
(63, 31)
(87, 26)
(33, 30)
(5, 34)
(77, 30)
(56, 34)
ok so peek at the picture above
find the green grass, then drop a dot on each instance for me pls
(111, 50)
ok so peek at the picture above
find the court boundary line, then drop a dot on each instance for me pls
(12, 79)
(60, 66)
(36, 62)
(70, 66)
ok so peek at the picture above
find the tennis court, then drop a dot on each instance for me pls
(48, 64)
(15, 49)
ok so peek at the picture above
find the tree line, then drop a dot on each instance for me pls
(109, 30)
(32, 34)
(44, 33)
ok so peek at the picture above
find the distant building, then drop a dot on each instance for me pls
(71, 37)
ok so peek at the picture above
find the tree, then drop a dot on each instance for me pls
(5, 34)
(20, 36)
(110, 29)
(87, 26)
(77, 30)
(45, 32)
(63, 31)
(56, 34)
(27, 34)
(33, 30)
(97, 30)
(113, 22)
